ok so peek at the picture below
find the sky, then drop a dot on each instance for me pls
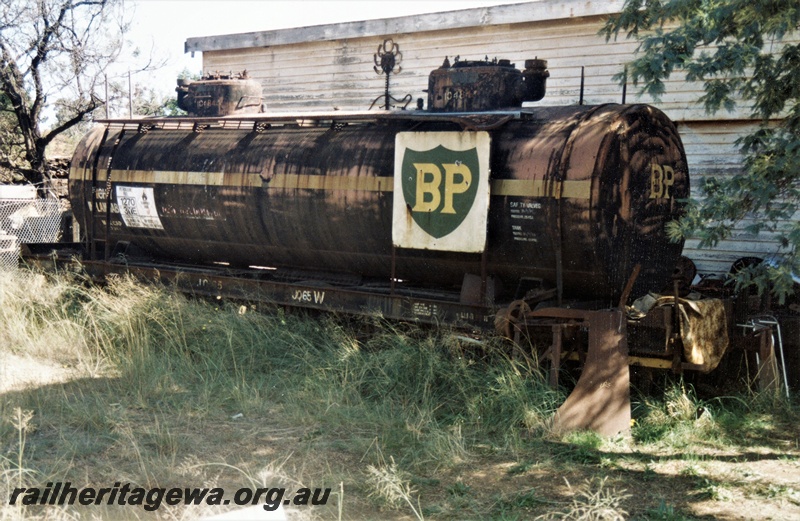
(162, 26)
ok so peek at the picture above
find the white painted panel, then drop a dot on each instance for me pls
(17, 192)
(441, 191)
(339, 73)
(137, 207)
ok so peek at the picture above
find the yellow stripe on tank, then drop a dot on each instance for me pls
(500, 187)
(182, 178)
(539, 188)
(332, 182)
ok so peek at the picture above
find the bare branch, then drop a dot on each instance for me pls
(53, 49)
(71, 122)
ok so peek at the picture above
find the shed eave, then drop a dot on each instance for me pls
(544, 10)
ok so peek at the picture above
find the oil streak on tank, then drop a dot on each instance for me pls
(587, 187)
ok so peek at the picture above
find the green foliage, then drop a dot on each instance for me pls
(664, 512)
(518, 504)
(581, 447)
(148, 102)
(738, 50)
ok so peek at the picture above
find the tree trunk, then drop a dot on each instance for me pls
(38, 171)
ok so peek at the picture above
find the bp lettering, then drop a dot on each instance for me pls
(661, 180)
(430, 194)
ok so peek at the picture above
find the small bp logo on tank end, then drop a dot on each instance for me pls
(441, 190)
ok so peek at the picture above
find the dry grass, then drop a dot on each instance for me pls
(145, 386)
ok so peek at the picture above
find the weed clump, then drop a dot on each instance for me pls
(593, 501)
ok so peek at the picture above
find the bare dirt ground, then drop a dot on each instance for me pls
(18, 373)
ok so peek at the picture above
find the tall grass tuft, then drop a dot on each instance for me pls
(678, 418)
(425, 396)
(393, 486)
(41, 316)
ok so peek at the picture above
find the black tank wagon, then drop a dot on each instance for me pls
(572, 197)
(482, 210)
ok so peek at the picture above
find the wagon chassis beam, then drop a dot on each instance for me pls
(402, 303)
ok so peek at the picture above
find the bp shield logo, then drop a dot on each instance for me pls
(441, 190)
(440, 186)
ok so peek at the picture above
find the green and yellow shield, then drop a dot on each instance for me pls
(439, 186)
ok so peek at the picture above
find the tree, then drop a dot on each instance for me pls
(148, 102)
(11, 152)
(740, 51)
(54, 49)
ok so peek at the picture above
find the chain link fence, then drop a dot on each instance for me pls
(27, 221)
(9, 252)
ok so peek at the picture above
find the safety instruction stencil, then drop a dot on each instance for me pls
(137, 207)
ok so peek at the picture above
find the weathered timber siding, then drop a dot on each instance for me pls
(332, 74)
(711, 152)
(331, 67)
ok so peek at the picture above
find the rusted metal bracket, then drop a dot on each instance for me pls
(626, 292)
(761, 341)
(768, 379)
(601, 399)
